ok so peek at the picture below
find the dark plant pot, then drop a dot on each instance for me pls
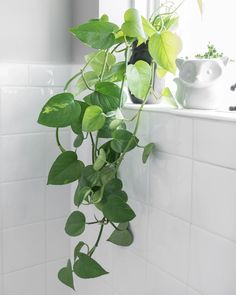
(141, 53)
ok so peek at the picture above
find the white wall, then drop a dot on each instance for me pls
(184, 198)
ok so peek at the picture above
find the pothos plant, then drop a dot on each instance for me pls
(98, 118)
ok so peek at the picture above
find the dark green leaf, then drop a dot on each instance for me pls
(60, 111)
(80, 194)
(123, 140)
(65, 275)
(90, 177)
(75, 224)
(97, 196)
(79, 140)
(77, 124)
(66, 169)
(112, 186)
(87, 268)
(123, 236)
(97, 34)
(105, 132)
(147, 151)
(78, 249)
(107, 103)
(112, 156)
(116, 73)
(116, 210)
(94, 119)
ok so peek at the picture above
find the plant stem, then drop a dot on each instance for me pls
(98, 239)
(104, 64)
(58, 141)
(85, 82)
(93, 147)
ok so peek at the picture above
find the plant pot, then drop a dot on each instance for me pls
(199, 84)
(141, 53)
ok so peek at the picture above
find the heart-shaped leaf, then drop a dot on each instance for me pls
(80, 194)
(122, 236)
(164, 48)
(123, 140)
(60, 111)
(96, 34)
(65, 275)
(94, 119)
(78, 140)
(86, 267)
(139, 78)
(66, 169)
(75, 224)
(147, 151)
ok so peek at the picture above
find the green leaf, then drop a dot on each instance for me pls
(115, 124)
(78, 140)
(148, 27)
(87, 268)
(98, 59)
(123, 140)
(97, 196)
(77, 124)
(139, 78)
(104, 18)
(90, 177)
(80, 194)
(116, 73)
(100, 161)
(147, 151)
(117, 210)
(113, 186)
(90, 77)
(65, 275)
(161, 72)
(133, 26)
(105, 132)
(94, 119)
(170, 21)
(168, 97)
(66, 169)
(96, 34)
(200, 5)
(123, 236)
(75, 224)
(164, 48)
(78, 249)
(60, 111)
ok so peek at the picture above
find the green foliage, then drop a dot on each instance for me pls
(98, 118)
(211, 53)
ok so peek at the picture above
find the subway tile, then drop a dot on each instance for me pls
(26, 281)
(159, 282)
(129, 272)
(172, 134)
(58, 242)
(94, 286)
(192, 292)
(20, 108)
(214, 199)
(23, 156)
(170, 184)
(58, 201)
(168, 243)
(23, 202)
(212, 264)
(53, 285)
(23, 247)
(215, 142)
(14, 74)
(49, 75)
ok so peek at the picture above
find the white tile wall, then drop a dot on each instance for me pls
(33, 245)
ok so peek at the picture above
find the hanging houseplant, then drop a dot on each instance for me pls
(98, 118)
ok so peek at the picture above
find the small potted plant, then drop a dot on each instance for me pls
(199, 83)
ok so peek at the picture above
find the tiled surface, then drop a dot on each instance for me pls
(33, 245)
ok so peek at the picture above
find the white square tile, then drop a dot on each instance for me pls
(58, 201)
(14, 75)
(1, 285)
(27, 281)
(20, 108)
(213, 264)
(129, 272)
(23, 202)
(23, 247)
(159, 282)
(139, 227)
(168, 243)
(214, 199)
(192, 292)
(23, 156)
(134, 175)
(170, 184)
(49, 75)
(215, 142)
(58, 242)
(93, 286)
(53, 285)
(172, 134)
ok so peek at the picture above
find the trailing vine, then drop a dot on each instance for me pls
(98, 118)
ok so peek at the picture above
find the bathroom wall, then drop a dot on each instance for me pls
(184, 198)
